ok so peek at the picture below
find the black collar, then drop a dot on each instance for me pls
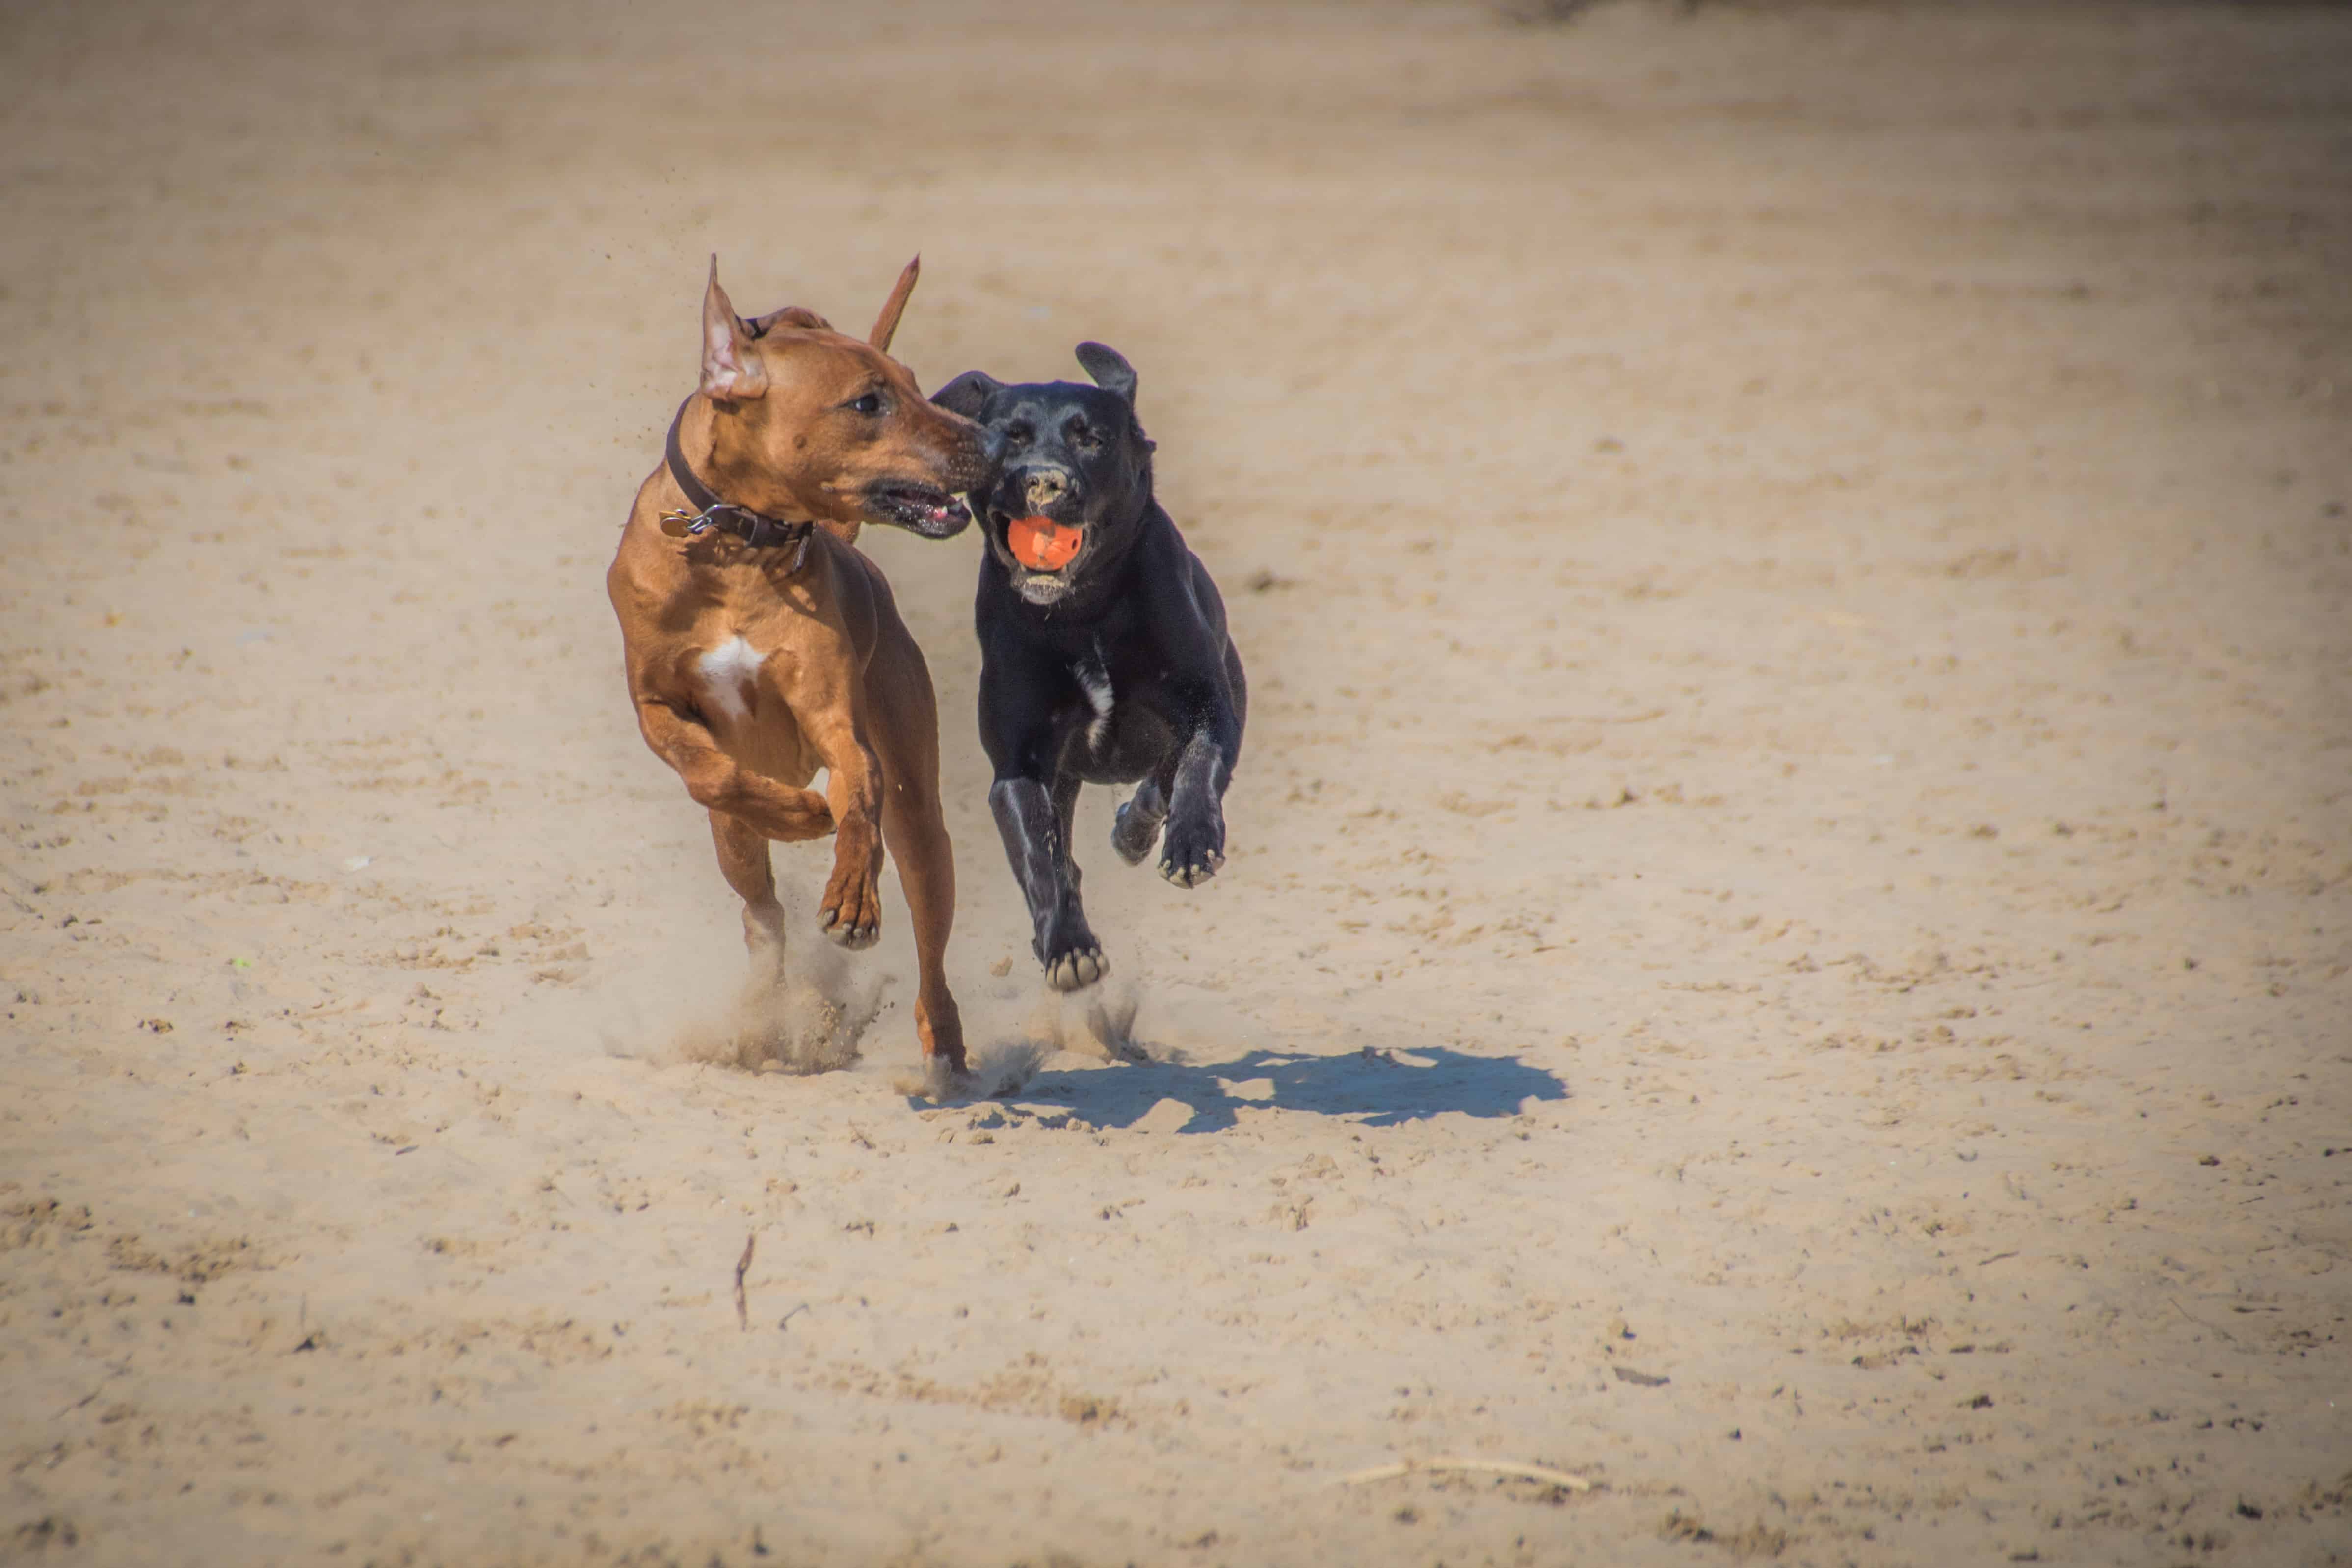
(753, 528)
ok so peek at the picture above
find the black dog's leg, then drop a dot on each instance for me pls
(1210, 697)
(1137, 826)
(1195, 845)
(1065, 816)
(1031, 829)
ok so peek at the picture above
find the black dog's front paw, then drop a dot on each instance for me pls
(1077, 965)
(1193, 850)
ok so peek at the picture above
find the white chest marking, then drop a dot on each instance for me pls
(727, 671)
(1094, 680)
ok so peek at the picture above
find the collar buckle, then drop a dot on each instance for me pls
(680, 523)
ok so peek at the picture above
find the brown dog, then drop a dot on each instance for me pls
(763, 646)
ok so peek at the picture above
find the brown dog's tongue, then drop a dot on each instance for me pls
(1042, 545)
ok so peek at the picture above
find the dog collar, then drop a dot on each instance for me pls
(756, 528)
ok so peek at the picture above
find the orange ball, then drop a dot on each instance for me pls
(1042, 545)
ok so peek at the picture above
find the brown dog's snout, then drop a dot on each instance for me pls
(974, 455)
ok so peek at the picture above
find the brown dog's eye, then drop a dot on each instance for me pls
(869, 404)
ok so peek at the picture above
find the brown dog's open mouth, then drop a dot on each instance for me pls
(927, 510)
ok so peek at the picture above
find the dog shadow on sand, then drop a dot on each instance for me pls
(1371, 1087)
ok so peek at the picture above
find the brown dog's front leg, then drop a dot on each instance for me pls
(850, 913)
(743, 861)
(719, 782)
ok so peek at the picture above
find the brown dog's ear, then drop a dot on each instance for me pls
(885, 325)
(730, 371)
(1111, 372)
(968, 393)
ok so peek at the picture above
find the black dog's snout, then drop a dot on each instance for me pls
(1039, 485)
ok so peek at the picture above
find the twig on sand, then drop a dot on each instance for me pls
(1486, 1467)
(2214, 1328)
(111, 1373)
(742, 1266)
(78, 1404)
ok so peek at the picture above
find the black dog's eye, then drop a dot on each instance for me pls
(869, 404)
(1083, 435)
(1018, 435)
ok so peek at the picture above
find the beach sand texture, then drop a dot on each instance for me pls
(1785, 949)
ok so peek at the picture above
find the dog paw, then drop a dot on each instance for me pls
(852, 934)
(1192, 852)
(852, 918)
(850, 912)
(1133, 832)
(1076, 969)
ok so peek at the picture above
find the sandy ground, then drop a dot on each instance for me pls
(1786, 947)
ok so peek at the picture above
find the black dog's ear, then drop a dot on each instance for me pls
(968, 393)
(1111, 372)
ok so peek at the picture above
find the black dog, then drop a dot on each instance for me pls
(1111, 667)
